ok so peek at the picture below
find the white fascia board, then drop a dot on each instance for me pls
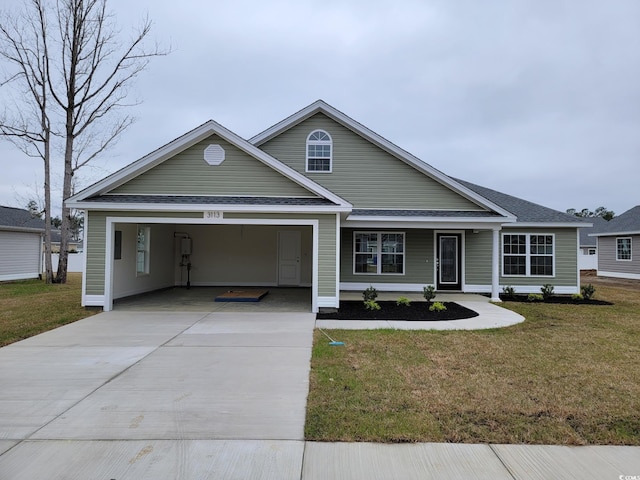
(432, 224)
(542, 225)
(200, 133)
(614, 234)
(146, 207)
(371, 136)
(372, 218)
(6, 228)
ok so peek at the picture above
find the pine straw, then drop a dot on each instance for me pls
(568, 375)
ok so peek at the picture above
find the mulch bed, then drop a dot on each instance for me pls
(559, 300)
(417, 311)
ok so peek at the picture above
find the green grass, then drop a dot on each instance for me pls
(31, 307)
(567, 375)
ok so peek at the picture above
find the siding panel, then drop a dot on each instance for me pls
(607, 262)
(19, 255)
(363, 173)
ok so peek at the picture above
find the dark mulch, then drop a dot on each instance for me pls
(354, 310)
(559, 300)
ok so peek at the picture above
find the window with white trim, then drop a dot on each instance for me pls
(142, 250)
(623, 249)
(319, 152)
(528, 255)
(378, 253)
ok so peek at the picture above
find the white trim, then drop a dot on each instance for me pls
(191, 138)
(379, 253)
(182, 207)
(495, 265)
(8, 228)
(110, 227)
(85, 226)
(319, 142)
(371, 136)
(338, 257)
(19, 276)
(630, 259)
(528, 254)
(546, 225)
(614, 234)
(406, 223)
(631, 276)
(328, 302)
(94, 301)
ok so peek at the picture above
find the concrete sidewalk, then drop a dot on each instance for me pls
(142, 395)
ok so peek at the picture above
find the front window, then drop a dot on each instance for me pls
(527, 255)
(378, 253)
(319, 152)
(142, 250)
(623, 249)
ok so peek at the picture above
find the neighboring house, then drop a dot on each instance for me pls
(616, 245)
(317, 200)
(20, 244)
(588, 258)
(56, 235)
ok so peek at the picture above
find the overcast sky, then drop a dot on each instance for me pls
(539, 99)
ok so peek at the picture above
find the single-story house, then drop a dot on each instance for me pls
(73, 245)
(588, 258)
(616, 243)
(20, 244)
(318, 200)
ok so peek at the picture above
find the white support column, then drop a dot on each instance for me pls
(495, 266)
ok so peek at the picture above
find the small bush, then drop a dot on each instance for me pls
(547, 291)
(437, 307)
(370, 294)
(535, 297)
(371, 305)
(429, 293)
(403, 301)
(508, 291)
(577, 296)
(588, 291)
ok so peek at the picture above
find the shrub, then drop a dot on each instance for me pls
(535, 297)
(371, 305)
(508, 291)
(403, 301)
(429, 293)
(547, 291)
(370, 294)
(437, 307)
(588, 291)
(577, 296)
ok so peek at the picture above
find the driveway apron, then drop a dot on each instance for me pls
(158, 395)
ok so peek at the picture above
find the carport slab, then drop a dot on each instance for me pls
(366, 461)
(135, 460)
(6, 445)
(197, 393)
(555, 461)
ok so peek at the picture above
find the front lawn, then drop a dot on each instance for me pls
(570, 374)
(30, 307)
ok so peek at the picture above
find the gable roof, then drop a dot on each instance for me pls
(19, 219)
(627, 223)
(588, 240)
(99, 189)
(527, 212)
(320, 106)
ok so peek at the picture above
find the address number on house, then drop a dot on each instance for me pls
(213, 215)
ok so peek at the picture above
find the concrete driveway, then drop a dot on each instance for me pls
(136, 395)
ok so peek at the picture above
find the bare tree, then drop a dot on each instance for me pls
(86, 70)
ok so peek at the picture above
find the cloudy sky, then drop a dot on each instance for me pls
(539, 99)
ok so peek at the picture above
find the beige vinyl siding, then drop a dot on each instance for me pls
(96, 243)
(419, 258)
(363, 173)
(607, 262)
(565, 253)
(188, 173)
(326, 246)
(478, 257)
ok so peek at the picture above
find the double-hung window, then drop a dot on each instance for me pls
(378, 253)
(623, 249)
(142, 250)
(319, 152)
(528, 255)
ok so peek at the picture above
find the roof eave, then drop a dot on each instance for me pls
(156, 207)
(611, 234)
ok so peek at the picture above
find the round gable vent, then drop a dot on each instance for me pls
(214, 154)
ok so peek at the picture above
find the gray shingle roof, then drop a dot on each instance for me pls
(422, 213)
(527, 212)
(599, 224)
(19, 218)
(209, 200)
(629, 221)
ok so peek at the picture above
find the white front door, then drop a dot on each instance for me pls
(289, 257)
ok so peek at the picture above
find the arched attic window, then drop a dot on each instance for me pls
(319, 152)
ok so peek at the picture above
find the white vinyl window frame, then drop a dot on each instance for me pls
(319, 152)
(624, 249)
(143, 243)
(378, 253)
(528, 254)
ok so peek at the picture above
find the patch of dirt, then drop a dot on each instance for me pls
(557, 300)
(417, 311)
(589, 276)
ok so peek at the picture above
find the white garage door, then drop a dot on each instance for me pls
(19, 255)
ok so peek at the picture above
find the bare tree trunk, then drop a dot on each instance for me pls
(48, 267)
